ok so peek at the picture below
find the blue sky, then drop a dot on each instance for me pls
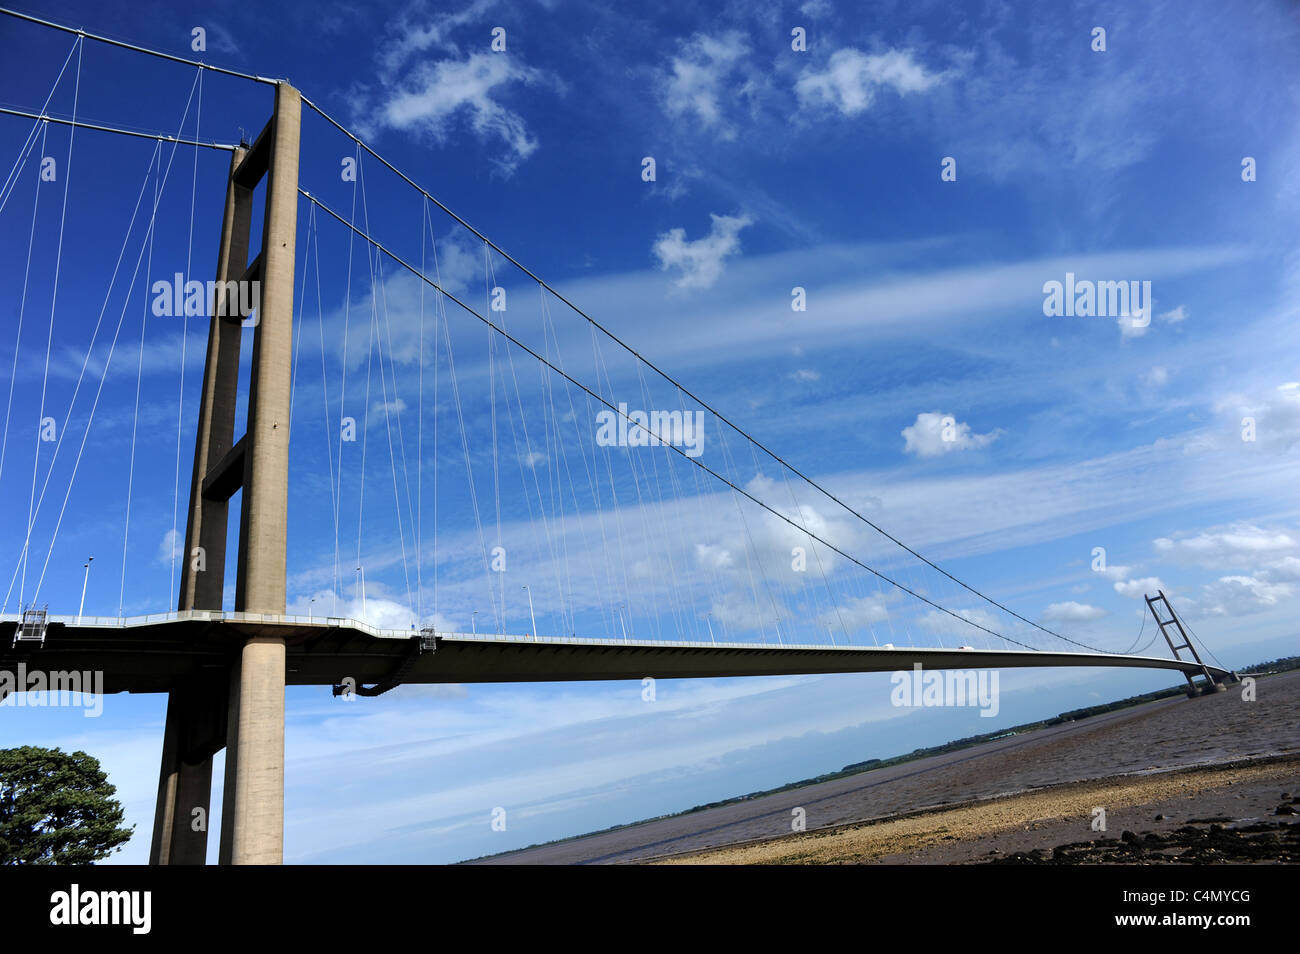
(774, 169)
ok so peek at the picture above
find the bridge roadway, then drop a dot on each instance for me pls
(155, 653)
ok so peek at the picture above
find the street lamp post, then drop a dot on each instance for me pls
(531, 614)
(620, 621)
(708, 618)
(473, 622)
(361, 575)
(84, 580)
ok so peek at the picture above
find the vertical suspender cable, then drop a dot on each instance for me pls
(54, 298)
(135, 416)
(185, 334)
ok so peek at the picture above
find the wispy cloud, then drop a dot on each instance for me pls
(433, 95)
(697, 80)
(466, 88)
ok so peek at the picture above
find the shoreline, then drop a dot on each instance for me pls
(1034, 826)
(1144, 742)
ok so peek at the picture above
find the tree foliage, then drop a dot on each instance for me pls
(57, 808)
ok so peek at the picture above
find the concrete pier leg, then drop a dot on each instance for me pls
(253, 823)
(180, 836)
(196, 715)
(260, 579)
(252, 699)
(190, 830)
(256, 818)
(232, 759)
(168, 776)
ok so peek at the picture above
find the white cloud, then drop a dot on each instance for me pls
(410, 38)
(1073, 612)
(936, 433)
(1134, 325)
(806, 374)
(441, 690)
(1156, 377)
(1136, 589)
(1276, 416)
(426, 83)
(939, 622)
(1137, 325)
(1238, 545)
(713, 557)
(851, 79)
(1239, 595)
(220, 40)
(171, 546)
(1288, 568)
(1266, 555)
(737, 613)
(434, 94)
(1116, 572)
(700, 261)
(381, 411)
(382, 613)
(376, 609)
(859, 612)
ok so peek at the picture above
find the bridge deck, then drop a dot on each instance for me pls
(153, 653)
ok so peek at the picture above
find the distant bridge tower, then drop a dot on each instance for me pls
(1176, 625)
(239, 706)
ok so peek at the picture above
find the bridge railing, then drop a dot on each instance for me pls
(151, 619)
(122, 623)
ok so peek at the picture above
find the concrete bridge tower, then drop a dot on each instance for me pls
(241, 706)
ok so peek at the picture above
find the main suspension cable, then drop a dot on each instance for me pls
(721, 417)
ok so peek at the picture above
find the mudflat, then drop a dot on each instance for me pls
(1236, 814)
(1181, 758)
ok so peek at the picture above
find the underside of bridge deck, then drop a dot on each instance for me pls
(157, 656)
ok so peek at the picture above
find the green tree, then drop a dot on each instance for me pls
(56, 808)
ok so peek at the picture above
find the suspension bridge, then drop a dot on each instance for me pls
(545, 503)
